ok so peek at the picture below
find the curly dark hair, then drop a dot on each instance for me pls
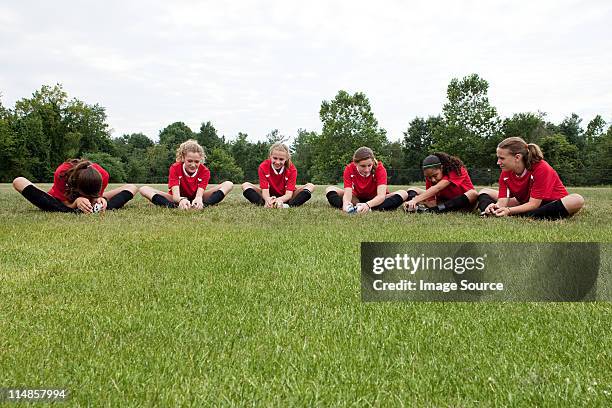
(444, 161)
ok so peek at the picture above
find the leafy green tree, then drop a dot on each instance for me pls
(49, 129)
(126, 145)
(158, 163)
(87, 124)
(132, 149)
(175, 134)
(562, 155)
(417, 144)
(32, 148)
(302, 154)
(249, 155)
(570, 128)
(223, 166)
(595, 128)
(589, 159)
(530, 126)
(468, 107)
(8, 139)
(171, 137)
(472, 127)
(600, 164)
(395, 164)
(111, 164)
(348, 123)
(208, 137)
(604, 158)
(275, 136)
(45, 107)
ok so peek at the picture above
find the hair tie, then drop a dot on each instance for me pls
(431, 161)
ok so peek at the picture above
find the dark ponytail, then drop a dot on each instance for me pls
(82, 179)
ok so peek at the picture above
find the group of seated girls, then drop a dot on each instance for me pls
(528, 186)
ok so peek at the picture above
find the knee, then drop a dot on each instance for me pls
(579, 200)
(574, 202)
(486, 191)
(20, 183)
(227, 186)
(246, 185)
(146, 191)
(403, 194)
(132, 188)
(330, 189)
(310, 187)
(472, 195)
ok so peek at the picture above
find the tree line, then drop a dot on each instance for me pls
(40, 132)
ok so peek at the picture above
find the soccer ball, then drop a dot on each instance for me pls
(97, 208)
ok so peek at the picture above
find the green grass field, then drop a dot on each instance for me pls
(237, 305)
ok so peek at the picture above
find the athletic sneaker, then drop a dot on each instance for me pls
(420, 208)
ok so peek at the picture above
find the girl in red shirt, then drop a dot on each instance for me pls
(187, 181)
(448, 186)
(365, 186)
(277, 178)
(528, 186)
(78, 186)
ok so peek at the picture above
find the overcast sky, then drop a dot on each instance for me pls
(259, 65)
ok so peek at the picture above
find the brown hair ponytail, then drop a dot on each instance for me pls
(531, 152)
(82, 180)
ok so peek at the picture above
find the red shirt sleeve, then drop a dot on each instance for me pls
(173, 175)
(58, 180)
(501, 193)
(58, 189)
(348, 182)
(264, 183)
(292, 177)
(381, 175)
(204, 174)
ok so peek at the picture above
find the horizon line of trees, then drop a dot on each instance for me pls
(41, 132)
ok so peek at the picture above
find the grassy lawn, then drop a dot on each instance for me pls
(237, 305)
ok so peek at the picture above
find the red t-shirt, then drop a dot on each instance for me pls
(58, 189)
(541, 182)
(459, 184)
(188, 184)
(364, 188)
(278, 184)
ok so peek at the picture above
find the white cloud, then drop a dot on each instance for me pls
(254, 66)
